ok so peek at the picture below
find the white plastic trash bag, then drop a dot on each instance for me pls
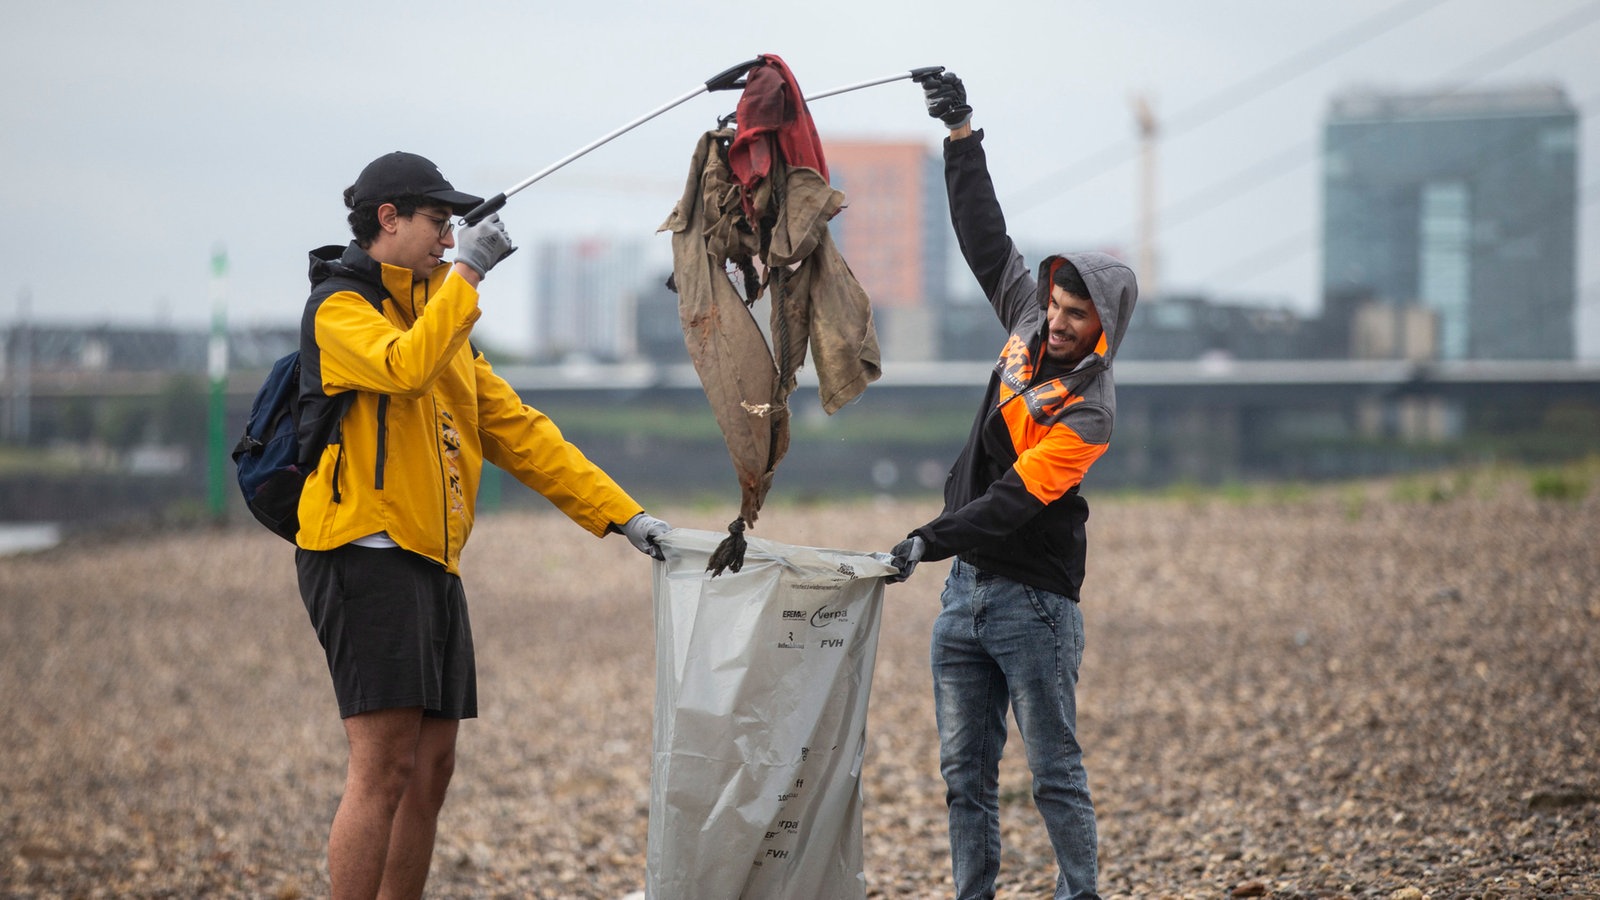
(762, 682)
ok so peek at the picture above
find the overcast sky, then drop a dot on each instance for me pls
(139, 137)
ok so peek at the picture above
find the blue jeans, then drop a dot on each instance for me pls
(997, 642)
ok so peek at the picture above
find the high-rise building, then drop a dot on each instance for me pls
(1462, 203)
(895, 235)
(584, 298)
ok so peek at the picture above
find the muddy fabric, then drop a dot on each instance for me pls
(724, 341)
(824, 305)
(817, 305)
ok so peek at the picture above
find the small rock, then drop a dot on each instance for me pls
(41, 850)
(478, 856)
(1446, 595)
(1406, 893)
(1249, 889)
(1547, 801)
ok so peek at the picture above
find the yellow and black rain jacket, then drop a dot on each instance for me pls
(428, 411)
(1012, 505)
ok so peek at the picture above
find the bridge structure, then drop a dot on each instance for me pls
(1203, 421)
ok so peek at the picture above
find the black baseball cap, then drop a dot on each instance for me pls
(399, 173)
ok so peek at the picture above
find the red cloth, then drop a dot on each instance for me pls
(772, 119)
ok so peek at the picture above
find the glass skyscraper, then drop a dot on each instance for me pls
(1463, 203)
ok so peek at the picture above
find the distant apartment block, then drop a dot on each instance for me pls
(125, 349)
(585, 294)
(895, 235)
(1462, 204)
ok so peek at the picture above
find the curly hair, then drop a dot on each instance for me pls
(363, 217)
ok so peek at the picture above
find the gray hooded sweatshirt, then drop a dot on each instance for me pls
(1012, 505)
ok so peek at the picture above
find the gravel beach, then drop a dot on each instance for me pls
(1353, 691)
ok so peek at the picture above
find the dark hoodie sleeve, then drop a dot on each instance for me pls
(980, 229)
(1042, 474)
(1002, 509)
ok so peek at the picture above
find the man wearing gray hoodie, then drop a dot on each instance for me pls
(1009, 632)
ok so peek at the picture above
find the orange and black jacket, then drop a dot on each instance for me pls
(1012, 506)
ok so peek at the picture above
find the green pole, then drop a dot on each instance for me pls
(217, 369)
(489, 488)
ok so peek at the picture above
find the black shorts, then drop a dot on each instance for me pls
(395, 628)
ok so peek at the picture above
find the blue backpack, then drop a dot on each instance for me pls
(272, 468)
(273, 458)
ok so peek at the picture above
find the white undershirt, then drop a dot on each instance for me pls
(378, 540)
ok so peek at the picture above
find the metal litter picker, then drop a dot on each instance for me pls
(731, 78)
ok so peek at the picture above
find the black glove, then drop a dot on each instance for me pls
(946, 97)
(905, 557)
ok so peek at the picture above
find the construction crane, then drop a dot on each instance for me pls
(1149, 131)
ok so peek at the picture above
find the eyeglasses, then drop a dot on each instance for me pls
(446, 224)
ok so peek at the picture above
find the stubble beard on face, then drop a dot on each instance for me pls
(1067, 354)
(1076, 349)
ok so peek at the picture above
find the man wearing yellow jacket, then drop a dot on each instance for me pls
(386, 512)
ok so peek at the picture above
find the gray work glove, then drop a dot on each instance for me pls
(484, 244)
(905, 557)
(642, 531)
(946, 97)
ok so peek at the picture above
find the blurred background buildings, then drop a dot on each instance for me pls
(1446, 326)
(1449, 232)
(1462, 206)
